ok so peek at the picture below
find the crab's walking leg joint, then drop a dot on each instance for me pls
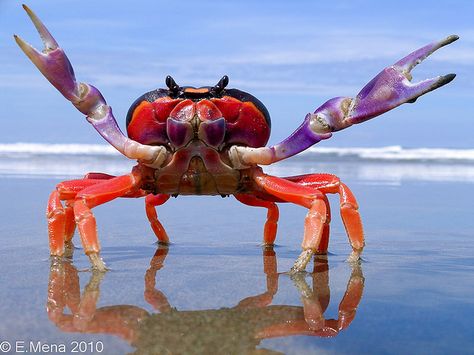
(55, 66)
(389, 89)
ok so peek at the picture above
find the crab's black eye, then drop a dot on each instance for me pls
(220, 86)
(171, 84)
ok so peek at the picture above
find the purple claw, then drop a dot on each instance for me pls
(393, 86)
(55, 66)
(413, 59)
(52, 62)
(48, 40)
(389, 89)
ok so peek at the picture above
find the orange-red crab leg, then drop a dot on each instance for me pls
(93, 196)
(151, 201)
(304, 196)
(98, 176)
(61, 224)
(327, 183)
(270, 229)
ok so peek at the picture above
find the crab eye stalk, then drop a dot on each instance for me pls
(220, 86)
(171, 84)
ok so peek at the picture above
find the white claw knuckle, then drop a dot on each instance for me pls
(245, 157)
(159, 157)
(152, 156)
(236, 159)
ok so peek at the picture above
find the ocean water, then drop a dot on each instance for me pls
(388, 164)
(216, 290)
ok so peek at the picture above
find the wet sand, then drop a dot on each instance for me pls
(215, 288)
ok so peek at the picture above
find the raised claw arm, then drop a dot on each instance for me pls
(389, 89)
(55, 66)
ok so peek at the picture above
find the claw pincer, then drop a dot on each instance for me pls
(211, 141)
(389, 89)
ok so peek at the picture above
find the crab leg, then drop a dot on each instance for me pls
(389, 89)
(55, 66)
(270, 229)
(327, 183)
(61, 224)
(93, 196)
(151, 201)
(304, 196)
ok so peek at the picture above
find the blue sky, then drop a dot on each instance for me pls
(292, 55)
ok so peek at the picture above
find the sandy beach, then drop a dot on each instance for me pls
(210, 289)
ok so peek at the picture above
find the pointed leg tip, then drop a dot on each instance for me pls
(97, 263)
(302, 261)
(354, 258)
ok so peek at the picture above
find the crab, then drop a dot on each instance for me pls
(211, 140)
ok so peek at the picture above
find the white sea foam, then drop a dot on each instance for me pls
(387, 165)
(391, 153)
(396, 153)
(56, 149)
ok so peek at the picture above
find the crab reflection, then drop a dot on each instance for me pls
(232, 330)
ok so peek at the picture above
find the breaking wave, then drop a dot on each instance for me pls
(22, 149)
(391, 153)
(390, 165)
(394, 153)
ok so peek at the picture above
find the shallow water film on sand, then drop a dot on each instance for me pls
(215, 289)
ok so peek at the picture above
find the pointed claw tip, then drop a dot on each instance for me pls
(446, 79)
(452, 38)
(448, 40)
(25, 47)
(28, 10)
(19, 41)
